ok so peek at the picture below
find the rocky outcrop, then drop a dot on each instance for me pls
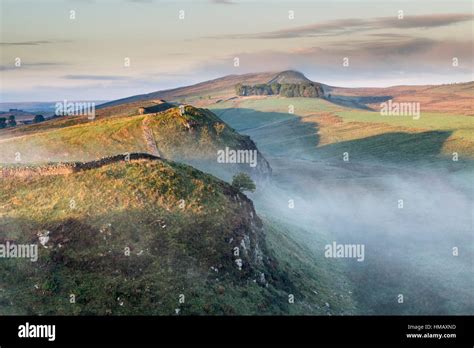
(247, 245)
(263, 170)
(149, 137)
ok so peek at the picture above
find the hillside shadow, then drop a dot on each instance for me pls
(274, 133)
(157, 108)
(357, 102)
(393, 147)
(281, 134)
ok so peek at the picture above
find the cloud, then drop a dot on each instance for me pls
(95, 77)
(223, 2)
(382, 60)
(30, 66)
(34, 43)
(351, 25)
(406, 47)
(25, 43)
(389, 35)
(364, 47)
(423, 21)
(335, 27)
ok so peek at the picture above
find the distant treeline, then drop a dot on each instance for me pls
(307, 90)
(11, 121)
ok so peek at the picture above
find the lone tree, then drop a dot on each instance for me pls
(243, 182)
(38, 119)
(3, 122)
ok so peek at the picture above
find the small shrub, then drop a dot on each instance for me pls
(243, 182)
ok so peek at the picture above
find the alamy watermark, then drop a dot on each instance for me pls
(68, 108)
(400, 109)
(37, 331)
(335, 250)
(26, 251)
(237, 156)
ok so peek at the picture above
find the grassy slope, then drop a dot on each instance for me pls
(322, 286)
(461, 127)
(202, 93)
(76, 142)
(74, 139)
(209, 135)
(330, 128)
(136, 205)
(447, 99)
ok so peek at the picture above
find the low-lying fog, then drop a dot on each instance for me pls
(409, 222)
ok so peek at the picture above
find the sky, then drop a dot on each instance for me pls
(109, 49)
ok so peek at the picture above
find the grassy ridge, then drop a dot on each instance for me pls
(196, 135)
(77, 142)
(177, 223)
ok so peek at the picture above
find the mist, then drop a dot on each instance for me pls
(409, 221)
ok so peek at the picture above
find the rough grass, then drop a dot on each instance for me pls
(325, 129)
(427, 121)
(196, 135)
(94, 215)
(317, 281)
(78, 142)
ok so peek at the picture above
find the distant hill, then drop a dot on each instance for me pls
(27, 110)
(448, 98)
(216, 90)
(20, 115)
(212, 90)
(456, 98)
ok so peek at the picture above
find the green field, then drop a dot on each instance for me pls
(323, 130)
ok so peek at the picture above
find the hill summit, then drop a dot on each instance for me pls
(286, 84)
(217, 90)
(290, 76)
